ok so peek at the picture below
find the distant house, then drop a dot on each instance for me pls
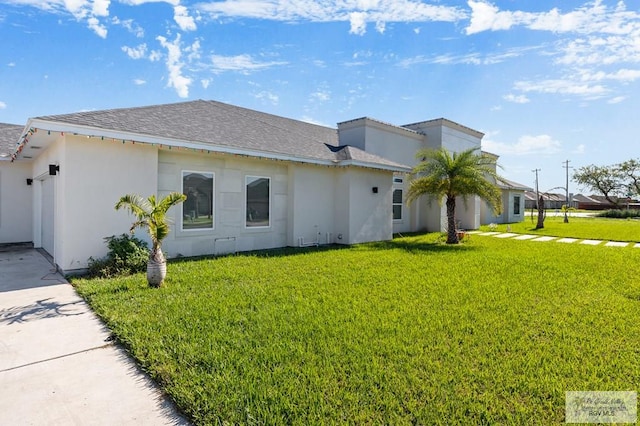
(551, 200)
(252, 180)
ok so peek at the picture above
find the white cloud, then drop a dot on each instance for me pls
(541, 144)
(174, 65)
(155, 55)
(563, 87)
(139, 82)
(593, 17)
(272, 98)
(193, 51)
(311, 120)
(11, 64)
(356, 12)
(129, 25)
(358, 22)
(621, 75)
(616, 100)
(518, 99)
(580, 149)
(380, 27)
(139, 2)
(3, 105)
(474, 58)
(137, 52)
(321, 95)
(182, 18)
(97, 27)
(205, 83)
(241, 63)
(100, 7)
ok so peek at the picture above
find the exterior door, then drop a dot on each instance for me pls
(47, 215)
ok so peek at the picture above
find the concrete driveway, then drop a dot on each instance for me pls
(57, 362)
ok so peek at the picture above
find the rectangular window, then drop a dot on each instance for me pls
(197, 209)
(397, 180)
(258, 201)
(516, 204)
(397, 204)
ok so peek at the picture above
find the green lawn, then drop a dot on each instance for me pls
(579, 227)
(405, 332)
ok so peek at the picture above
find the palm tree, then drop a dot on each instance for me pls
(152, 215)
(441, 174)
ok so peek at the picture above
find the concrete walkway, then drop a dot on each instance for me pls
(58, 365)
(544, 238)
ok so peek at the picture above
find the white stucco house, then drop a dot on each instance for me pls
(252, 180)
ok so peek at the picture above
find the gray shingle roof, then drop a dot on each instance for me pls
(9, 135)
(509, 184)
(218, 124)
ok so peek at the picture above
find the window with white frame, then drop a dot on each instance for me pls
(197, 209)
(258, 201)
(397, 204)
(516, 204)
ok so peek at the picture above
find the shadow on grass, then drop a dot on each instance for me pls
(419, 246)
(410, 243)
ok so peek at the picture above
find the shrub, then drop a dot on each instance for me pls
(127, 255)
(620, 214)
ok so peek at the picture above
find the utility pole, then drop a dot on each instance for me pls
(537, 195)
(566, 188)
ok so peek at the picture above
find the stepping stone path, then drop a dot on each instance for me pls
(544, 239)
(524, 237)
(567, 240)
(616, 244)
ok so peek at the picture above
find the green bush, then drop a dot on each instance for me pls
(620, 214)
(127, 255)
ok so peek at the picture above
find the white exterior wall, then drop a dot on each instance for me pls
(229, 233)
(468, 213)
(17, 202)
(370, 214)
(507, 215)
(93, 176)
(390, 142)
(40, 172)
(311, 204)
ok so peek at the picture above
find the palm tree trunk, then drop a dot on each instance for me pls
(452, 236)
(156, 268)
(540, 223)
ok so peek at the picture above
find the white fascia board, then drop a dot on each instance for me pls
(378, 166)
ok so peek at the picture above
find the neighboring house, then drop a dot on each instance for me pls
(252, 180)
(551, 200)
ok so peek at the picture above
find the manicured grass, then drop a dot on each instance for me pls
(405, 332)
(593, 228)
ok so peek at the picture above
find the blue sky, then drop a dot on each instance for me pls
(546, 81)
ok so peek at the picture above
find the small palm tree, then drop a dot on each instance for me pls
(152, 215)
(441, 174)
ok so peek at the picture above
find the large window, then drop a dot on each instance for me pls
(197, 209)
(258, 201)
(516, 204)
(397, 204)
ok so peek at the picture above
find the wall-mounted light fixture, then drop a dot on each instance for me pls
(53, 169)
(29, 181)
(374, 189)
